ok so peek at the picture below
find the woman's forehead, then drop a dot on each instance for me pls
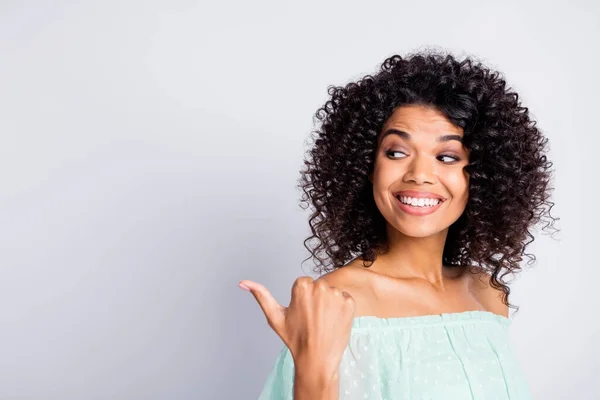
(419, 119)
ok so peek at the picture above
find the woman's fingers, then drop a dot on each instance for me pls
(274, 312)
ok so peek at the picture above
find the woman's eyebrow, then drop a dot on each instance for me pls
(407, 136)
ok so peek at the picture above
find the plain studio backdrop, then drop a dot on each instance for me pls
(149, 156)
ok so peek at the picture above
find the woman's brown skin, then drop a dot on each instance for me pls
(315, 327)
(410, 279)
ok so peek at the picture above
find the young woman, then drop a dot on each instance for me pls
(425, 180)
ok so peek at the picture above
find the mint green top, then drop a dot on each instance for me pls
(454, 356)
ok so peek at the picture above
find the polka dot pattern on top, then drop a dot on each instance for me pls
(463, 355)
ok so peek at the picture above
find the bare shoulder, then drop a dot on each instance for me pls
(345, 278)
(487, 295)
(351, 279)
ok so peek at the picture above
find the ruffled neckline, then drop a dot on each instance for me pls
(475, 316)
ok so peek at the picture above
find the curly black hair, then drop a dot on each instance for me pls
(509, 187)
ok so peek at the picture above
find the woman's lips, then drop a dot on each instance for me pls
(420, 211)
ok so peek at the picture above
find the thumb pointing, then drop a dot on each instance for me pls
(274, 312)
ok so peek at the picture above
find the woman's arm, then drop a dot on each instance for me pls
(312, 385)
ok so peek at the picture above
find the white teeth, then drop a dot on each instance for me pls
(419, 202)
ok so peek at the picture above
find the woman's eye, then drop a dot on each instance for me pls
(390, 152)
(453, 158)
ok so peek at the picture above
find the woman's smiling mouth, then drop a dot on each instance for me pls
(418, 205)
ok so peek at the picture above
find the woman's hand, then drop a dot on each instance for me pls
(315, 327)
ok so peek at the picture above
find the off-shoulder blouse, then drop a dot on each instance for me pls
(463, 355)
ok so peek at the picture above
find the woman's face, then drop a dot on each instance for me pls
(420, 150)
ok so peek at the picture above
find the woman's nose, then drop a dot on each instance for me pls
(421, 170)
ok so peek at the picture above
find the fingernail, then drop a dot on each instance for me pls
(241, 285)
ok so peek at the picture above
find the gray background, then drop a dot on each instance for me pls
(148, 162)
